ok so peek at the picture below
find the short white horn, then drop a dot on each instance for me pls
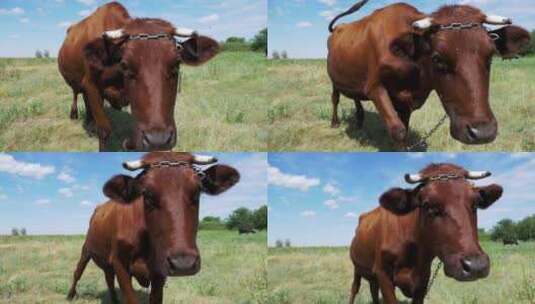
(116, 34)
(413, 178)
(184, 32)
(497, 20)
(423, 24)
(204, 159)
(133, 165)
(477, 174)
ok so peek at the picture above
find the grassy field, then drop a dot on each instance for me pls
(300, 116)
(222, 107)
(324, 276)
(39, 270)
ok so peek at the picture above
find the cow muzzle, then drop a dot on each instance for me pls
(157, 140)
(475, 133)
(184, 264)
(468, 268)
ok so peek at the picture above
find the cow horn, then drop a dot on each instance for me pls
(184, 32)
(413, 178)
(133, 165)
(116, 34)
(423, 24)
(204, 160)
(477, 174)
(497, 20)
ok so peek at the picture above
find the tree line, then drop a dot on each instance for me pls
(239, 44)
(507, 229)
(240, 219)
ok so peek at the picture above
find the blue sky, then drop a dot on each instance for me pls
(315, 199)
(56, 193)
(300, 26)
(28, 25)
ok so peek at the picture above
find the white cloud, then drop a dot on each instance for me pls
(3, 197)
(300, 182)
(209, 19)
(303, 24)
(86, 203)
(65, 24)
(308, 213)
(34, 170)
(24, 20)
(85, 13)
(87, 2)
(67, 192)
(415, 155)
(328, 14)
(351, 215)
(328, 2)
(13, 11)
(42, 201)
(14, 36)
(331, 204)
(66, 177)
(331, 189)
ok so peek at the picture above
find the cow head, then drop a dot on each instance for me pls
(146, 72)
(168, 191)
(456, 51)
(447, 204)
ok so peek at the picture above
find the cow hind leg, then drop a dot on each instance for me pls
(74, 106)
(374, 290)
(355, 287)
(335, 99)
(110, 281)
(82, 263)
(359, 114)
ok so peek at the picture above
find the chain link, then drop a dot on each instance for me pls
(168, 164)
(150, 36)
(456, 26)
(423, 142)
(444, 177)
(435, 273)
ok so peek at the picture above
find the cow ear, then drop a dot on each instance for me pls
(397, 200)
(489, 195)
(121, 188)
(103, 52)
(198, 50)
(219, 178)
(510, 40)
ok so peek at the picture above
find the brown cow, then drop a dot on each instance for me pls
(148, 229)
(135, 62)
(397, 55)
(395, 244)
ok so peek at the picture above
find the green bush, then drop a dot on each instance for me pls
(211, 223)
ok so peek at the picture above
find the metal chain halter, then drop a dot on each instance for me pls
(444, 177)
(435, 273)
(456, 26)
(422, 143)
(168, 164)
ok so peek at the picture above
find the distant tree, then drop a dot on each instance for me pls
(525, 229)
(275, 55)
(530, 49)
(240, 218)
(279, 244)
(211, 223)
(23, 231)
(287, 243)
(38, 54)
(260, 217)
(284, 55)
(260, 42)
(504, 229)
(236, 44)
(14, 232)
(46, 54)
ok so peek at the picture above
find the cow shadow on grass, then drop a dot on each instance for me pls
(122, 126)
(142, 295)
(374, 133)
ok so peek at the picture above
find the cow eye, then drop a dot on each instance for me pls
(127, 71)
(149, 200)
(433, 211)
(440, 64)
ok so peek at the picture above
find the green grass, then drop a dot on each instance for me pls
(324, 275)
(222, 107)
(39, 270)
(300, 115)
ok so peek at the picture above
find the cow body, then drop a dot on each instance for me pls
(148, 230)
(398, 55)
(395, 244)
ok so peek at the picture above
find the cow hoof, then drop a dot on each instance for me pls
(335, 125)
(71, 296)
(74, 115)
(398, 134)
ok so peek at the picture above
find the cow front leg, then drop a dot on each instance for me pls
(387, 288)
(110, 281)
(359, 113)
(125, 281)
(156, 290)
(74, 106)
(96, 105)
(383, 104)
(335, 99)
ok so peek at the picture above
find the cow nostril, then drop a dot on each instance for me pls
(145, 139)
(170, 138)
(467, 265)
(473, 132)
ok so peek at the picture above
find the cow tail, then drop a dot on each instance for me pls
(350, 11)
